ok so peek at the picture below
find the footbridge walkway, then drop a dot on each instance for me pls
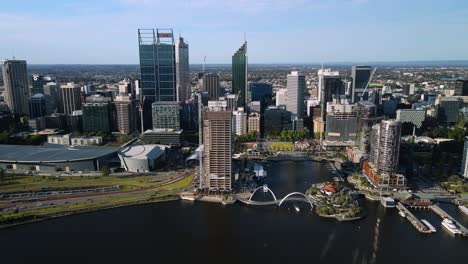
(294, 196)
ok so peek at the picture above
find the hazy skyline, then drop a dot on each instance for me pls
(278, 31)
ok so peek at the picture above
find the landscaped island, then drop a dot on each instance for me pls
(334, 199)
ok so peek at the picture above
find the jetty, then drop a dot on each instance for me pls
(413, 219)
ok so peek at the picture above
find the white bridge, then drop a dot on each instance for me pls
(290, 197)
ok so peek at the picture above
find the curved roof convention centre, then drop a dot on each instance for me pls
(52, 153)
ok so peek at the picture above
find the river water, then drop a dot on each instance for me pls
(183, 231)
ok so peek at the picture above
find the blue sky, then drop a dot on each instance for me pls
(278, 31)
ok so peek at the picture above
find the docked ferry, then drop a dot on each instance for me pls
(450, 226)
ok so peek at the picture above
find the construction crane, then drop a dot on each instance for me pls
(367, 84)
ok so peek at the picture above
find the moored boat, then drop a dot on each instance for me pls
(450, 226)
(431, 227)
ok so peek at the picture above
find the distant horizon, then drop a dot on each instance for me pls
(277, 31)
(277, 63)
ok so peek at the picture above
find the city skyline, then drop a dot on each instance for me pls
(83, 33)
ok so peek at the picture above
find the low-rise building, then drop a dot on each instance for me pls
(163, 136)
(69, 140)
(142, 158)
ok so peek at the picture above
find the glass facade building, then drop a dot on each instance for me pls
(157, 68)
(262, 92)
(38, 81)
(98, 117)
(15, 79)
(166, 115)
(239, 74)
(360, 76)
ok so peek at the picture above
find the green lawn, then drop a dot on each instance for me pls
(282, 146)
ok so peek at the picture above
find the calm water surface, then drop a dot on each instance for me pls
(182, 231)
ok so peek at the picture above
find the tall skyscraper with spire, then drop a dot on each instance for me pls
(239, 74)
(157, 69)
(182, 70)
(15, 77)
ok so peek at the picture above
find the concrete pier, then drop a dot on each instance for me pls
(413, 219)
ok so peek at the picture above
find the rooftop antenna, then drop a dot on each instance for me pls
(245, 37)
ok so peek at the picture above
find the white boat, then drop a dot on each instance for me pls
(431, 227)
(402, 214)
(450, 226)
(297, 208)
(463, 208)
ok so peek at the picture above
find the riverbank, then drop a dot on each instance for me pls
(38, 218)
(33, 207)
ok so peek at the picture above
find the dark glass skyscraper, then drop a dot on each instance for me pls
(15, 78)
(239, 73)
(260, 91)
(360, 75)
(38, 81)
(157, 69)
(97, 117)
(461, 87)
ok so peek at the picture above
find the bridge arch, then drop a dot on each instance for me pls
(297, 193)
(261, 187)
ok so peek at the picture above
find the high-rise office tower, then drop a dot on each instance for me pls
(125, 87)
(330, 87)
(37, 106)
(166, 115)
(38, 81)
(281, 97)
(448, 108)
(41, 105)
(277, 118)
(157, 69)
(341, 122)
(211, 85)
(70, 97)
(217, 151)
(239, 74)
(360, 76)
(98, 117)
(182, 70)
(126, 114)
(52, 89)
(239, 121)
(262, 92)
(15, 78)
(296, 87)
(461, 87)
(367, 117)
(232, 100)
